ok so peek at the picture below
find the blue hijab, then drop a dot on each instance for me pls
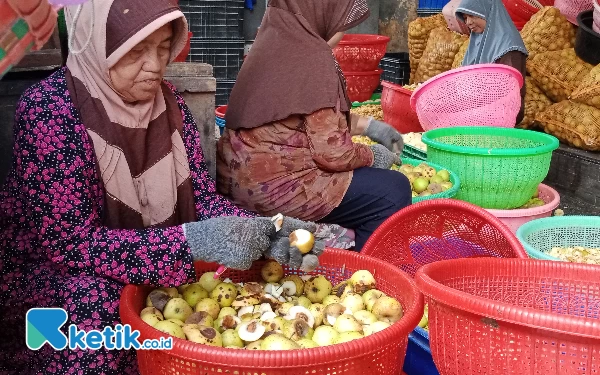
(499, 37)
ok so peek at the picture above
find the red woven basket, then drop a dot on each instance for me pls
(395, 102)
(380, 353)
(441, 229)
(513, 316)
(360, 52)
(361, 85)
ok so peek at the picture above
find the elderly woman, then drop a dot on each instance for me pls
(109, 187)
(494, 38)
(288, 147)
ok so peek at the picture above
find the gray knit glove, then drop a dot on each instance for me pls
(383, 158)
(385, 134)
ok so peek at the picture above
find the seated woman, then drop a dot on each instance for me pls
(109, 187)
(287, 147)
(494, 38)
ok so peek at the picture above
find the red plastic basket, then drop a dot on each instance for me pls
(522, 10)
(380, 353)
(360, 52)
(362, 85)
(395, 102)
(513, 316)
(220, 111)
(441, 229)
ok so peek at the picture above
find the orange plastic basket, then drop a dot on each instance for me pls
(380, 353)
(513, 316)
(441, 229)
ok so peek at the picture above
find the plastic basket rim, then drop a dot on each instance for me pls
(373, 101)
(551, 142)
(505, 312)
(585, 27)
(376, 72)
(396, 87)
(459, 71)
(553, 222)
(369, 39)
(523, 212)
(182, 348)
(445, 194)
(220, 111)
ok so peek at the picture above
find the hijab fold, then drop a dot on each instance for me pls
(499, 37)
(291, 69)
(139, 147)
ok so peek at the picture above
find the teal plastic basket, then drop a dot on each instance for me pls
(450, 193)
(540, 236)
(413, 153)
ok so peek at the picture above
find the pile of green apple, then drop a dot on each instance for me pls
(425, 180)
(278, 313)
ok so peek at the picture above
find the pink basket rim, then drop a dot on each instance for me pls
(549, 206)
(459, 71)
(371, 73)
(363, 39)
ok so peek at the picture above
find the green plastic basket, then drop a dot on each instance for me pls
(540, 236)
(375, 99)
(450, 193)
(498, 168)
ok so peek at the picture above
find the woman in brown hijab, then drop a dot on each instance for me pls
(288, 147)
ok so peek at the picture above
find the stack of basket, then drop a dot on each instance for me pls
(218, 39)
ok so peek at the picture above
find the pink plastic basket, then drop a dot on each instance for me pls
(515, 218)
(475, 95)
(596, 26)
(572, 8)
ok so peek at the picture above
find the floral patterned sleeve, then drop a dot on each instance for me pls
(331, 143)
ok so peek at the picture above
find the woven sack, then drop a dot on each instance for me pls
(442, 47)
(418, 35)
(460, 56)
(558, 73)
(535, 102)
(588, 91)
(548, 30)
(573, 123)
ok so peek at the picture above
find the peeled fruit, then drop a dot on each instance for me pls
(434, 188)
(289, 288)
(177, 308)
(325, 335)
(203, 335)
(278, 342)
(224, 294)
(375, 327)
(353, 302)
(194, 294)
(317, 288)
(296, 280)
(365, 317)
(347, 323)
(420, 185)
(272, 272)
(348, 336)
(362, 281)
(254, 345)
(245, 301)
(276, 324)
(303, 240)
(300, 312)
(210, 306)
(388, 310)
(226, 311)
(332, 313)
(251, 289)
(227, 322)
(170, 328)
(285, 308)
(297, 329)
(208, 281)
(201, 318)
(158, 298)
(317, 311)
(307, 344)
(251, 331)
(330, 300)
(370, 297)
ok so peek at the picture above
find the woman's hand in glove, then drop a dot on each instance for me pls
(383, 158)
(384, 134)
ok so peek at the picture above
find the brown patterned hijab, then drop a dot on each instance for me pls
(291, 70)
(139, 147)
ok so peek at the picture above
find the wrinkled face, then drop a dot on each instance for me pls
(475, 24)
(138, 75)
(335, 40)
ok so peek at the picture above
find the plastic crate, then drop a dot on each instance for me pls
(223, 91)
(225, 56)
(215, 19)
(418, 359)
(396, 68)
(428, 12)
(432, 4)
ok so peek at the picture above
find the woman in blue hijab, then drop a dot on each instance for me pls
(494, 38)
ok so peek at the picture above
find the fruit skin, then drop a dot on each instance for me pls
(317, 310)
(370, 297)
(272, 272)
(444, 175)
(176, 321)
(278, 342)
(224, 294)
(226, 311)
(170, 328)
(330, 300)
(362, 281)
(177, 308)
(425, 319)
(303, 240)
(388, 309)
(420, 185)
(172, 292)
(210, 306)
(365, 317)
(254, 345)
(347, 336)
(447, 186)
(332, 313)
(201, 318)
(226, 322)
(297, 329)
(157, 298)
(304, 302)
(203, 335)
(375, 327)
(347, 323)
(194, 294)
(208, 281)
(307, 344)
(152, 319)
(317, 288)
(325, 335)
(298, 281)
(231, 338)
(353, 302)
(150, 311)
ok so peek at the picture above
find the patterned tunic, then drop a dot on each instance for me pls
(301, 166)
(54, 252)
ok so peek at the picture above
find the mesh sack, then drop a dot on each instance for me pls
(588, 91)
(460, 56)
(442, 47)
(558, 73)
(548, 30)
(535, 102)
(418, 35)
(573, 123)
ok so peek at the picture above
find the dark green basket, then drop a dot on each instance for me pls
(375, 99)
